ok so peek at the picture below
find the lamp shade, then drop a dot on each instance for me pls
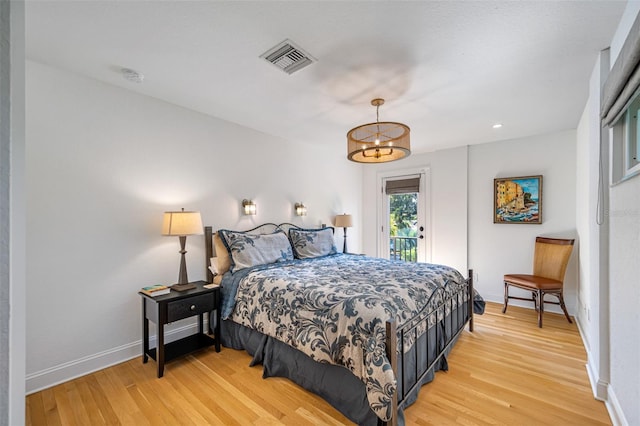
(378, 142)
(182, 223)
(343, 221)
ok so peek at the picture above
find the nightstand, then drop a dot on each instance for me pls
(175, 306)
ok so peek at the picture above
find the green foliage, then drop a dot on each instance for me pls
(403, 214)
(403, 217)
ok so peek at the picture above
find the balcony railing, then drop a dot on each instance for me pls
(403, 248)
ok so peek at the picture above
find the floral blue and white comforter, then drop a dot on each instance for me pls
(334, 309)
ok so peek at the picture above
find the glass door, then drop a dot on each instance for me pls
(404, 230)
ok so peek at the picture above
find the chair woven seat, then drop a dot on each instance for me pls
(550, 261)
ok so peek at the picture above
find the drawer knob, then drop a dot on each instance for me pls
(193, 307)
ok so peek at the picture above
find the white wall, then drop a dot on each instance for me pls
(103, 164)
(624, 288)
(12, 119)
(625, 297)
(592, 198)
(448, 177)
(5, 210)
(450, 208)
(609, 253)
(585, 211)
(498, 249)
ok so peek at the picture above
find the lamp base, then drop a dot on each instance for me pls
(344, 247)
(183, 287)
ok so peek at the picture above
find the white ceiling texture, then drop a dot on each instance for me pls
(448, 69)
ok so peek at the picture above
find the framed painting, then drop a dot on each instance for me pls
(517, 200)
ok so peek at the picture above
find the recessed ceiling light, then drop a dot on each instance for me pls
(497, 125)
(132, 75)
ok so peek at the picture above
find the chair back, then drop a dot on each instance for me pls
(551, 257)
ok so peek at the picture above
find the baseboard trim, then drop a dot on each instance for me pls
(600, 388)
(615, 410)
(583, 335)
(80, 367)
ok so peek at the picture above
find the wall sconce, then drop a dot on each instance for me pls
(249, 207)
(301, 209)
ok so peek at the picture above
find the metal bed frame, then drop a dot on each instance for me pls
(460, 314)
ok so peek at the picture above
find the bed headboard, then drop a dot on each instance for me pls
(265, 228)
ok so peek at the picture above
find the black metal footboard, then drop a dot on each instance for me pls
(416, 347)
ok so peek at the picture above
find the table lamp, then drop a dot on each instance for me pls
(344, 221)
(182, 224)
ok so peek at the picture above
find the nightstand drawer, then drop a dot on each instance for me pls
(186, 308)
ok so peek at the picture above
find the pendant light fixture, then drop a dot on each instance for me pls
(378, 142)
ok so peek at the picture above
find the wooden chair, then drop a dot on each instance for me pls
(549, 265)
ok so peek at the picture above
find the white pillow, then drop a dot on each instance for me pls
(222, 254)
(249, 250)
(214, 265)
(310, 243)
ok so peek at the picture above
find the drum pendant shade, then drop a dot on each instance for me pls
(378, 142)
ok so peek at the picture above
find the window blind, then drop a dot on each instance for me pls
(402, 186)
(623, 81)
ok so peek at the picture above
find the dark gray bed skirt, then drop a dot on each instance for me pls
(335, 384)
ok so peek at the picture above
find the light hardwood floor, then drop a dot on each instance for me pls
(507, 372)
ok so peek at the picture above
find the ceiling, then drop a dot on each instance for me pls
(448, 69)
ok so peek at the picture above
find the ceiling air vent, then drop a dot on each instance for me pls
(288, 57)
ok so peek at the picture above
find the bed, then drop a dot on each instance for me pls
(363, 333)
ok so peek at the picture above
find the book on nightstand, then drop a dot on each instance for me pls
(156, 290)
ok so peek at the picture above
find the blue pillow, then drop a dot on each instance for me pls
(249, 250)
(309, 243)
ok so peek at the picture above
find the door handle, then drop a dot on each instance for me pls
(421, 237)
(421, 228)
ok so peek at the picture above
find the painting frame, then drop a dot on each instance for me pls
(518, 200)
